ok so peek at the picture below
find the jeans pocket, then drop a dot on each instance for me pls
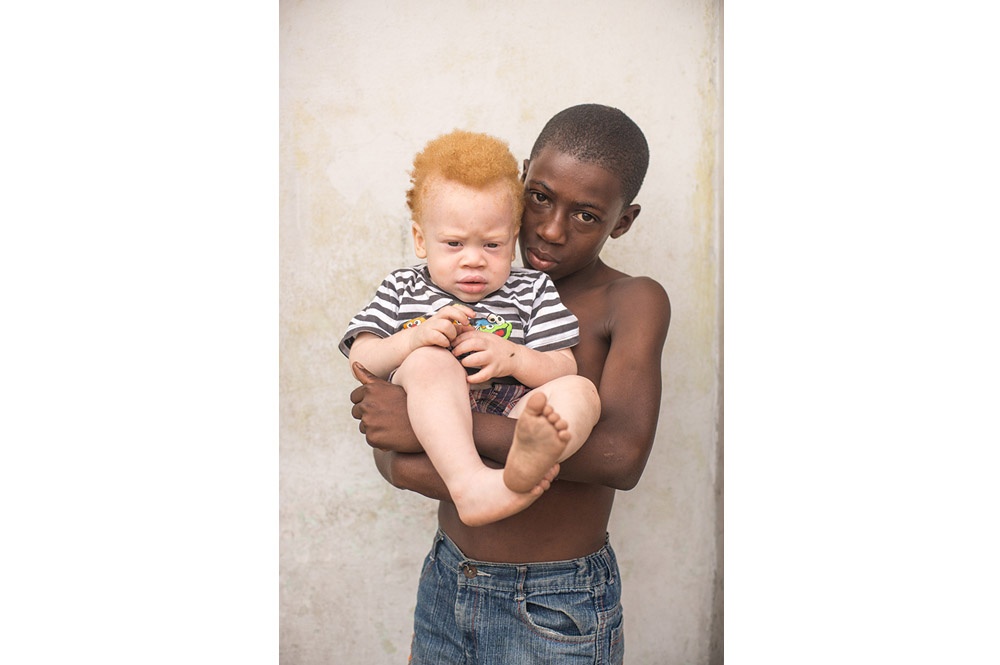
(569, 616)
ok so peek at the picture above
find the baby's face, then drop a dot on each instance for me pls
(467, 237)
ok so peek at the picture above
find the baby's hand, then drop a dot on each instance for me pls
(442, 327)
(492, 354)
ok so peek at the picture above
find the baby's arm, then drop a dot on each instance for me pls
(537, 367)
(381, 355)
(495, 356)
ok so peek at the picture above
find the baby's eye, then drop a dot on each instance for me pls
(492, 245)
(454, 243)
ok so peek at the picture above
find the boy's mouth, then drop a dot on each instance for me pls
(539, 260)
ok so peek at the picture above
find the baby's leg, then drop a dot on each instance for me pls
(553, 421)
(437, 403)
(482, 496)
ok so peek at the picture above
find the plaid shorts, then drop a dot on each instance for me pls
(498, 399)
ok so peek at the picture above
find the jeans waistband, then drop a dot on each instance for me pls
(584, 573)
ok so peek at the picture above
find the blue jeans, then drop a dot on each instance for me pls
(477, 613)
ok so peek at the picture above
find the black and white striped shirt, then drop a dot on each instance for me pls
(528, 301)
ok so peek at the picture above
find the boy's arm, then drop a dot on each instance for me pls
(629, 384)
(411, 471)
(414, 471)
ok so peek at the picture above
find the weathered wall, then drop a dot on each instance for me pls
(363, 86)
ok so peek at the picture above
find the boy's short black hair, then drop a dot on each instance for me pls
(600, 135)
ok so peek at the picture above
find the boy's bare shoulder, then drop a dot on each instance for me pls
(629, 291)
(618, 302)
(637, 302)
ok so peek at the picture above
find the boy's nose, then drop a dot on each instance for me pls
(552, 229)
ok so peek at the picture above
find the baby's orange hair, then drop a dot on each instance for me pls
(474, 160)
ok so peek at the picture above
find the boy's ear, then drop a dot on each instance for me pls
(524, 173)
(625, 220)
(418, 241)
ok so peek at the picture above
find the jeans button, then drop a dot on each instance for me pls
(469, 570)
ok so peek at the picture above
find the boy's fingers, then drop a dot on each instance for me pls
(362, 374)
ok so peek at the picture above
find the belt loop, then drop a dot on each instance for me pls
(522, 574)
(608, 560)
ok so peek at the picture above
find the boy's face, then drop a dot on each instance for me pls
(467, 237)
(571, 208)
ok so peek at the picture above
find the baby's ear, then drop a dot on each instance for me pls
(419, 248)
(625, 220)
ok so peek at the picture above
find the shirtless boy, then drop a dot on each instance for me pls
(584, 171)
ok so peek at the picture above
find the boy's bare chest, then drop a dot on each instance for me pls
(593, 311)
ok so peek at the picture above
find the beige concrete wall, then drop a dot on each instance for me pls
(363, 86)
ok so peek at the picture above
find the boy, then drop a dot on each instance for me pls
(421, 332)
(583, 173)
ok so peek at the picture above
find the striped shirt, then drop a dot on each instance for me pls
(528, 301)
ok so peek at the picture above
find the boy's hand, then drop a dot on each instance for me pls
(492, 354)
(441, 328)
(381, 409)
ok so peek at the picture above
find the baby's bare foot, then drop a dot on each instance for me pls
(540, 438)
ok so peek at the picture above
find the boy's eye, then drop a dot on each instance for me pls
(538, 197)
(587, 218)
